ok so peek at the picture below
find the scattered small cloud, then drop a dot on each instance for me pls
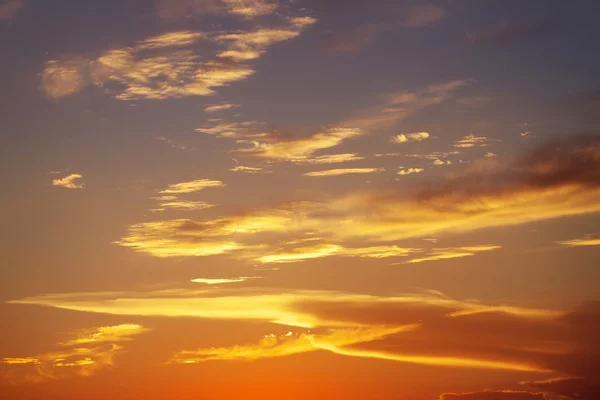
(471, 141)
(70, 181)
(410, 171)
(410, 137)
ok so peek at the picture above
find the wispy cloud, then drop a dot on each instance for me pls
(220, 107)
(590, 240)
(452, 252)
(357, 38)
(400, 105)
(192, 186)
(301, 149)
(189, 205)
(222, 281)
(344, 171)
(423, 15)
(395, 327)
(10, 9)
(170, 65)
(88, 351)
(248, 170)
(70, 181)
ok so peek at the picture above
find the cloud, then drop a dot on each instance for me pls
(249, 45)
(170, 65)
(219, 107)
(557, 180)
(330, 159)
(285, 345)
(401, 105)
(186, 205)
(249, 170)
(171, 39)
(301, 149)
(70, 181)
(423, 15)
(496, 395)
(424, 328)
(512, 32)
(173, 144)
(410, 137)
(433, 156)
(355, 40)
(88, 351)
(409, 171)
(192, 186)
(221, 281)
(471, 141)
(10, 9)
(321, 250)
(63, 78)
(344, 171)
(452, 252)
(181, 9)
(439, 162)
(570, 387)
(590, 240)
(490, 155)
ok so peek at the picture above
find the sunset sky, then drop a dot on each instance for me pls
(300, 199)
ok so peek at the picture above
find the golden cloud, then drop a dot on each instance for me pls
(299, 150)
(89, 351)
(169, 65)
(219, 107)
(584, 241)
(410, 171)
(70, 181)
(344, 171)
(410, 137)
(192, 186)
(424, 328)
(452, 252)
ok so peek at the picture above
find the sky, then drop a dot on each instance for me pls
(300, 199)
